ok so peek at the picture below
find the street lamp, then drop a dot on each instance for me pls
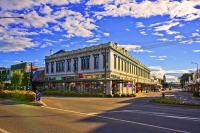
(21, 17)
(197, 69)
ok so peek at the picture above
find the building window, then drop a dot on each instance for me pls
(47, 67)
(69, 65)
(75, 64)
(115, 62)
(85, 63)
(60, 65)
(52, 67)
(96, 61)
(125, 67)
(118, 63)
(122, 65)
(63, 66)
(105, 62)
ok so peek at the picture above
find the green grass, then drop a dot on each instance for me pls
(173, 102)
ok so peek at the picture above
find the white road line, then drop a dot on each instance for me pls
(110, 118)
(163, 114)
(3, 131)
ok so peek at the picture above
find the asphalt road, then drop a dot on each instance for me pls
(97, 115)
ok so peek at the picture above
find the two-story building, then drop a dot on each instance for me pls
(102, 68)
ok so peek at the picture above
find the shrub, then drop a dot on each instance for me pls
(170, 101)
(116, 95)
(131, 95)
(3, 94)
(18, 95)
(196, 94)
(1, 86)
(109, 95)
(97, 95)
(123, 95)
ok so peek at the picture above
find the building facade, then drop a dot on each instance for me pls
(103, 68)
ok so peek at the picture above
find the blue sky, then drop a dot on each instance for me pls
(162, 34)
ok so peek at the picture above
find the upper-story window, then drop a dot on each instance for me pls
(60, 66)
(115, 61)
(96, 61)
(105, 62)
(69, 65)
(52, 67)
(75, 64)
(85, 63)
(118, 63)
(47, 67)
(122, 65)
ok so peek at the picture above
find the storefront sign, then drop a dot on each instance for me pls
(80, 75)
(130, 85)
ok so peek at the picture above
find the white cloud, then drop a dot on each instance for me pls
(24, 4)
(196, 51)
(147, 8)
(164, 56)
(172, 32)
(127, 29)
(171, 75)
(134, 48)
(143, 32)
(163, 39)
(93, 40)
(195, 34)
(157, 34)
(166, 27)
(160, 59)
(139, 25)
(47, 44)
(153, 56)
(179, 37)
(107, 34)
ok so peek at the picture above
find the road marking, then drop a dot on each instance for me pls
(121, 120)
(3, 131)
(163, 114)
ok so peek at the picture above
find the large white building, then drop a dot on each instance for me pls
(84, 70)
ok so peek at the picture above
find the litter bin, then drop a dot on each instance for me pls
(163, 94)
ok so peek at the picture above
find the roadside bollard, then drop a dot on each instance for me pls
(163, 95)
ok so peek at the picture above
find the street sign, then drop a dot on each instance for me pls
(38, 95)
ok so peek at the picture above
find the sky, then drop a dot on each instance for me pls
(162, 34)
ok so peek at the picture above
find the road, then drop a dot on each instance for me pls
(97, 115)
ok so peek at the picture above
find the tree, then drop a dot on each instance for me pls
(1, 86)
(16, 78)
(25, 79)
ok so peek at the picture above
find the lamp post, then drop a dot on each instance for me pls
(197, 69)
(21, 17)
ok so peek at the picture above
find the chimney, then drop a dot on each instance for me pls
(51, 52)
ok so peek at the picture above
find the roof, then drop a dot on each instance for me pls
(36, 75)
(60, 51)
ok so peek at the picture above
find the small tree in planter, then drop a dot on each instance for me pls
(123, 95)
(1, 86)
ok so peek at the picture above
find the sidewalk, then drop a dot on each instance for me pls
(149, 94)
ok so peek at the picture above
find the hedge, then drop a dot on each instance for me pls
(18, 95)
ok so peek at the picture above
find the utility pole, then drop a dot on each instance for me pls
(31, 76)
